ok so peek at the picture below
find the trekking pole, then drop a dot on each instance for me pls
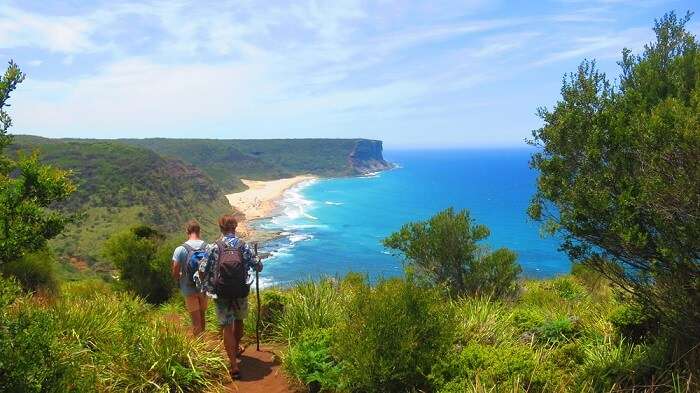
(257, 295)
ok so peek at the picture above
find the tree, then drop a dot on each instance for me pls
(620, 174)
(143, 260)
(27, 189)
(445, 249)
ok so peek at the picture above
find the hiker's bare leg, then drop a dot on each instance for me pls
(196, 305)
(238, 331)
(231, 345)
(203, 310)
(197, 322)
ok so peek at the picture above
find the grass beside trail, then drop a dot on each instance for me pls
(567, 334)
(92, 338)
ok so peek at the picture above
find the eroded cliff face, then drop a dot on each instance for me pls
(367, 157)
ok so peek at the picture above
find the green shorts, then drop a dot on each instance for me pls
(229, 310)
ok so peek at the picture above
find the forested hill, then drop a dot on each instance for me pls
(120, 186)
(164, 182)
(229, 160)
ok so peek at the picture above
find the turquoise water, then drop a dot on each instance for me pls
(334, 226)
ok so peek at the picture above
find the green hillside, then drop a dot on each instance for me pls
(121, 185)
(226, 161)
(164, 182)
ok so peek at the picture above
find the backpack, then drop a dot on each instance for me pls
(231, 275)
(194, 258)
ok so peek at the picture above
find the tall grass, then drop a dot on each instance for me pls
(113, 341)
(309, 305)
(557, 336)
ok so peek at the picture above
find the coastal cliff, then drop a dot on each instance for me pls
(367, 157)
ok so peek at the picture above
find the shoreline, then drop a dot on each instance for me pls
(260, 201)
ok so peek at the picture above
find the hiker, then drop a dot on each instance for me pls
(186, 260)
(225, 279)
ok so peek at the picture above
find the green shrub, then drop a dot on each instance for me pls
(528, 318)
(556, 330)
(483, 320)
(132, 349)
(492, 367)
(633, 324)
(607, 365)
(143, 260)
(309, 360)
(35, 271)
(568, 289)
(392, 335)
(272, 306)
(446, 250)
(33, 355)
(309, 305)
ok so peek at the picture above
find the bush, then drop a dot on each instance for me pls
(35, 271)
(556, 331)
(33, 355)
(607, 366)
(491, 367)
(445, 249)
(309, 305)
(633, 324)
(484, 321)
(392, 335)
(131, 349)
(309, 360)
(143, 261)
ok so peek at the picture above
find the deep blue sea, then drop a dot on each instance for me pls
(333, 226)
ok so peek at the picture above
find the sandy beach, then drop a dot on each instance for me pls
(260, 199)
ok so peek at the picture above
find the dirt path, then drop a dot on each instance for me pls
(260, 373)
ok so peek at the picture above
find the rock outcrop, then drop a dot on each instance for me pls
(367, 157)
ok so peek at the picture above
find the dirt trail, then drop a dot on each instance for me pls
(260, 373)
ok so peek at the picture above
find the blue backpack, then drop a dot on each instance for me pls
(194, 258)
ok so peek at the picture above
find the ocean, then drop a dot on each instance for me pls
(334, 226)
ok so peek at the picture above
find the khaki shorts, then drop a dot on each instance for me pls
(229, 310)
(196, 302)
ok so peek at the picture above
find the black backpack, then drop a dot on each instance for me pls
(231, 275)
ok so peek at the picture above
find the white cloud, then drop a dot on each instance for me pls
(301, 67)
(55, 34)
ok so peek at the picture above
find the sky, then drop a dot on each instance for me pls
(423, 74)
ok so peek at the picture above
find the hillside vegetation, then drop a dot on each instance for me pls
(119, 186)
(164, 182)
(227, 161)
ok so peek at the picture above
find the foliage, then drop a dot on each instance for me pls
(619, 173)
(35, 272)
(309, 305)
(498, 365)
(227, 161)
(92, 339)
(143, 260)
(27, 189)
(33, 358)
(120, 186)
(633, 324)
(309, 359)
(445, 249)
(391, 335)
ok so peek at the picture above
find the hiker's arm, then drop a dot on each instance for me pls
(175, 266)
(250, 259)
(175, 270)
